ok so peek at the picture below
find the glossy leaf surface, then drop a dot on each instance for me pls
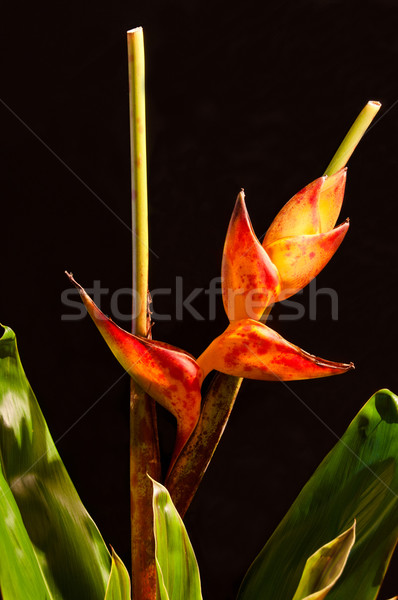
(118, 587)
(250, 349)
(65, 541)
(323, 569)
(20, 572)
(177, 569)
(357, 480)
(250, 281)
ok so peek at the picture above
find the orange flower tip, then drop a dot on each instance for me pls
(341, 172)
(240, 204)
(330, 364)
(331, 199)
(337, 178)
(249, 279)
(85, 297)
(72, 280)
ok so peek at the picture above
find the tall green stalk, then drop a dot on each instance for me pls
(144, 446)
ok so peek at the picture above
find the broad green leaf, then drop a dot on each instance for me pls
(324, 567)
(20, 573)
(66, 543)
(177, 569)
(119, 581)
(357, 480)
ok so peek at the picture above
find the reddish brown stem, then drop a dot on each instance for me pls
(144, 460)
(188, 470)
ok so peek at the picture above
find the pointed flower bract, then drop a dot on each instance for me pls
(169, 375)
(250, 281)
(250, 349)
(301, 239)
(297, 246)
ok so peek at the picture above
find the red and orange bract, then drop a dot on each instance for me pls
(250, 349)
(301, 239)
(250, 280)
(314, 209)
(300, 258)
(297, 246)
(169, 375)
(299, 243)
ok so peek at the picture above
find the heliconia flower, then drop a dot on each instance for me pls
(300, 258)
(301, 239)
(314, 209)
(169, 375)
(250, 281)
(250, 349)
(297, 246)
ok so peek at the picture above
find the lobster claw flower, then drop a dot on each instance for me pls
(301, 239)
(250, 349)
(314, 209)
(169, 375)
(300, 258)
(297, 246)
(250, 281)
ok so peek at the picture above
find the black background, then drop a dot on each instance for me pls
(255, 95)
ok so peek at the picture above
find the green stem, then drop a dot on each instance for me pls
(353, 137)
(139, 189)
(144, 446)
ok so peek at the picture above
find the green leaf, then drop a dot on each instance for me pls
(20, 573)
(177, 569)
(119, 581)
(65, 542)
(357, 480)
(324, 567)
